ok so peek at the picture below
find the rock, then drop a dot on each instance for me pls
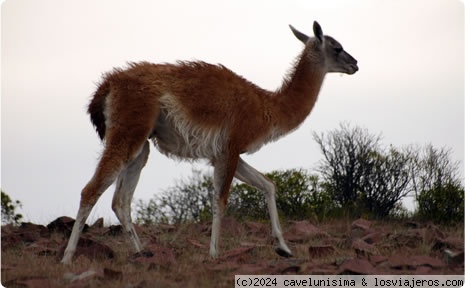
(360, 228)
(423, 260)
(301, 231)
(64, 224)
(196, 243)
(257, 229)
(155, 256)
(114, 230)
(290, 270)
(91, 249)
(400, 261)
(320, 251)
(236, 253)
(356, 267)
(411, 239)
(363, 249)
(433, 232)
(449, 242)
(372, 238)
(377, 259)
(29, 232)
(97, 224)
(423, 270)
(247, 269)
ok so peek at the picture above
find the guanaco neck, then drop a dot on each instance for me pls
(299, 91)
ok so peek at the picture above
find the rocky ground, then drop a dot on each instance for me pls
(179, 254)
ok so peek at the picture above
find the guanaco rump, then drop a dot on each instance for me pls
(195, 110)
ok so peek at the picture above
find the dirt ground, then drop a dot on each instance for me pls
(179, 254)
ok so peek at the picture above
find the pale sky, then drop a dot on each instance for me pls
(410, 86)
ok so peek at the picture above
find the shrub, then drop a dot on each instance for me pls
(9, 215)
(299, 196)
(359, 175)
(443, 204)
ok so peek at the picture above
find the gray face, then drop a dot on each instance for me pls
(328, 51)
(337, 59)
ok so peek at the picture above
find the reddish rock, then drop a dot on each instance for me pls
(377, 259)
(423, 270)
(294, 269)
(423, 260)
(91, 249)
(362, 248)
(196, 243)
(433, 232)
(256, 228)
(301, 231)
(361, 224)
(400, 261)
(248, 269)
(155, 256)
(63, 225)
(360, 228)
(411, 239)
(114, 230)
(372, 238)
(237, 253)
(29, 232)
(449, 242)
(356, 267)
(320, 251)
(98, 224)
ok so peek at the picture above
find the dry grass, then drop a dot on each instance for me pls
(248, 248)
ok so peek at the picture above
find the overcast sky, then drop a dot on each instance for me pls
(410, 86)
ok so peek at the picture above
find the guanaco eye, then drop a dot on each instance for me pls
(338, 50)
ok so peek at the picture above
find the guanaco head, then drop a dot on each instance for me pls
(326, 50)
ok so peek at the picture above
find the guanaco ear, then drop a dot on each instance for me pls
(318, 32)
(301, 36)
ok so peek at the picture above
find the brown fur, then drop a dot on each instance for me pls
(211, 96)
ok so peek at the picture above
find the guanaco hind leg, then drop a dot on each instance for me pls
(223, 174)
(116, 157)
(126, 185)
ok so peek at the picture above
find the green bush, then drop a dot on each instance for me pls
(9, 215)
(299, 196)
(442, 205)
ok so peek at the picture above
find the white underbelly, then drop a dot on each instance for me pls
(177, 137)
